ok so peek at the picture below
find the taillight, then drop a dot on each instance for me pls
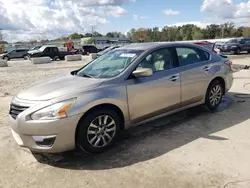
(229, 63)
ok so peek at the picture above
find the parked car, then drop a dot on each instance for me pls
(49, 51)
(208, 45)
(236, 46)
(125, 87)
(19, 53)
(88, 49)
(107, 50)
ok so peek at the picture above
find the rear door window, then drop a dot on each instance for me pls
(190, 55)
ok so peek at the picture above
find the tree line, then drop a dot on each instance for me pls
(174, 33)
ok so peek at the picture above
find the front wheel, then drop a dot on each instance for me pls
(98, 131)
(6, 58)
(214, 95)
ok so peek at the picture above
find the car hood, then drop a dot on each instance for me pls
(34, 51)
(58, 86)
(3, 54)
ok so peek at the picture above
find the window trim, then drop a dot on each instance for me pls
(197, 50)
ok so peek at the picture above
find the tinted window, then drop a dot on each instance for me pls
(188, 55)
(12, 52)
(53, 49)
(21, 50)
(158, 60)
(206, 55)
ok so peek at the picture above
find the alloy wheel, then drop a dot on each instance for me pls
(101, 131)
(215, 95)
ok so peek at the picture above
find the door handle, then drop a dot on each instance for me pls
(207, 68)
(174, 77)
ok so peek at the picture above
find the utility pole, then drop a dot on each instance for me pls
(1, 34)
(222, 32)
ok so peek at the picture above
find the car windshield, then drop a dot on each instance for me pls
(35, 48)
(42, 48)
(234, 41)
(110, 64)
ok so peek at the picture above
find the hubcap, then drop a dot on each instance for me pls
(101, 131)
(215, 95)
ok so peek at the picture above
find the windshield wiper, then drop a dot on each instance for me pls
(87, 76)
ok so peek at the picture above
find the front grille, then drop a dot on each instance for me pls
(15, 110)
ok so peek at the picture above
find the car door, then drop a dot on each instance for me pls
(157, 94)
(46, 52)
(243, 45)
(12, 54)
(194, 66)
(248, 45)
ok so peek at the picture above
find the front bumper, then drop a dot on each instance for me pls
(50, 136)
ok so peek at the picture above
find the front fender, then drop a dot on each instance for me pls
(107, 95)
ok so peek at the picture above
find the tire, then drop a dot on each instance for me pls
(6, 58)
(237, 51)
(248, 51)
(214, 95)
(56, 58)
(90, 135)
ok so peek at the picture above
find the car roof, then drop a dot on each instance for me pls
(151, 45)
(49, 46)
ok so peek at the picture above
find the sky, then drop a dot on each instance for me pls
(48, 19)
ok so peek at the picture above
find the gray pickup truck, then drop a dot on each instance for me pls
(49, 51)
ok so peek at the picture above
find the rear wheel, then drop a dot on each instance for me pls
(56, 58)
(237, 51)
(214, 95)
(98, 131)
(248, 51)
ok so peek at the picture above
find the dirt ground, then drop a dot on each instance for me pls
(191, 149)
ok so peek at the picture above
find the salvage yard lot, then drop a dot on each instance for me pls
(194, 148)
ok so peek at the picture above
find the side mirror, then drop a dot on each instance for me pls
(242, 42)
(143, 72)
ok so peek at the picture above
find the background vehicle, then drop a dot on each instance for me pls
(107, 50)
(19, 53)
(49, 51)
(236, 46)
(35, 48)
(125, 87)
(208, 45)
(88, 49)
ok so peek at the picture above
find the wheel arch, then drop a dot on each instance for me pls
(105, 106)
(222, 81)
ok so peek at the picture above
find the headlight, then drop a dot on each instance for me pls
(55, 111)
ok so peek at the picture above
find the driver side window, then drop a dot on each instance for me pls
(158, 60)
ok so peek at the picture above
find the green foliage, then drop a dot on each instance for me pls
(90, 41)
(187, 32)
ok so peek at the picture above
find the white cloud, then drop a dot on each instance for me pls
(170, 12)
(55, 18)
(137, 17)
(227, 10)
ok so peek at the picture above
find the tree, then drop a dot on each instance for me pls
(75, 36)
(246, 32)
(90, 41)
(115, 34)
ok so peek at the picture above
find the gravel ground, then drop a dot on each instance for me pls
(194, 148)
